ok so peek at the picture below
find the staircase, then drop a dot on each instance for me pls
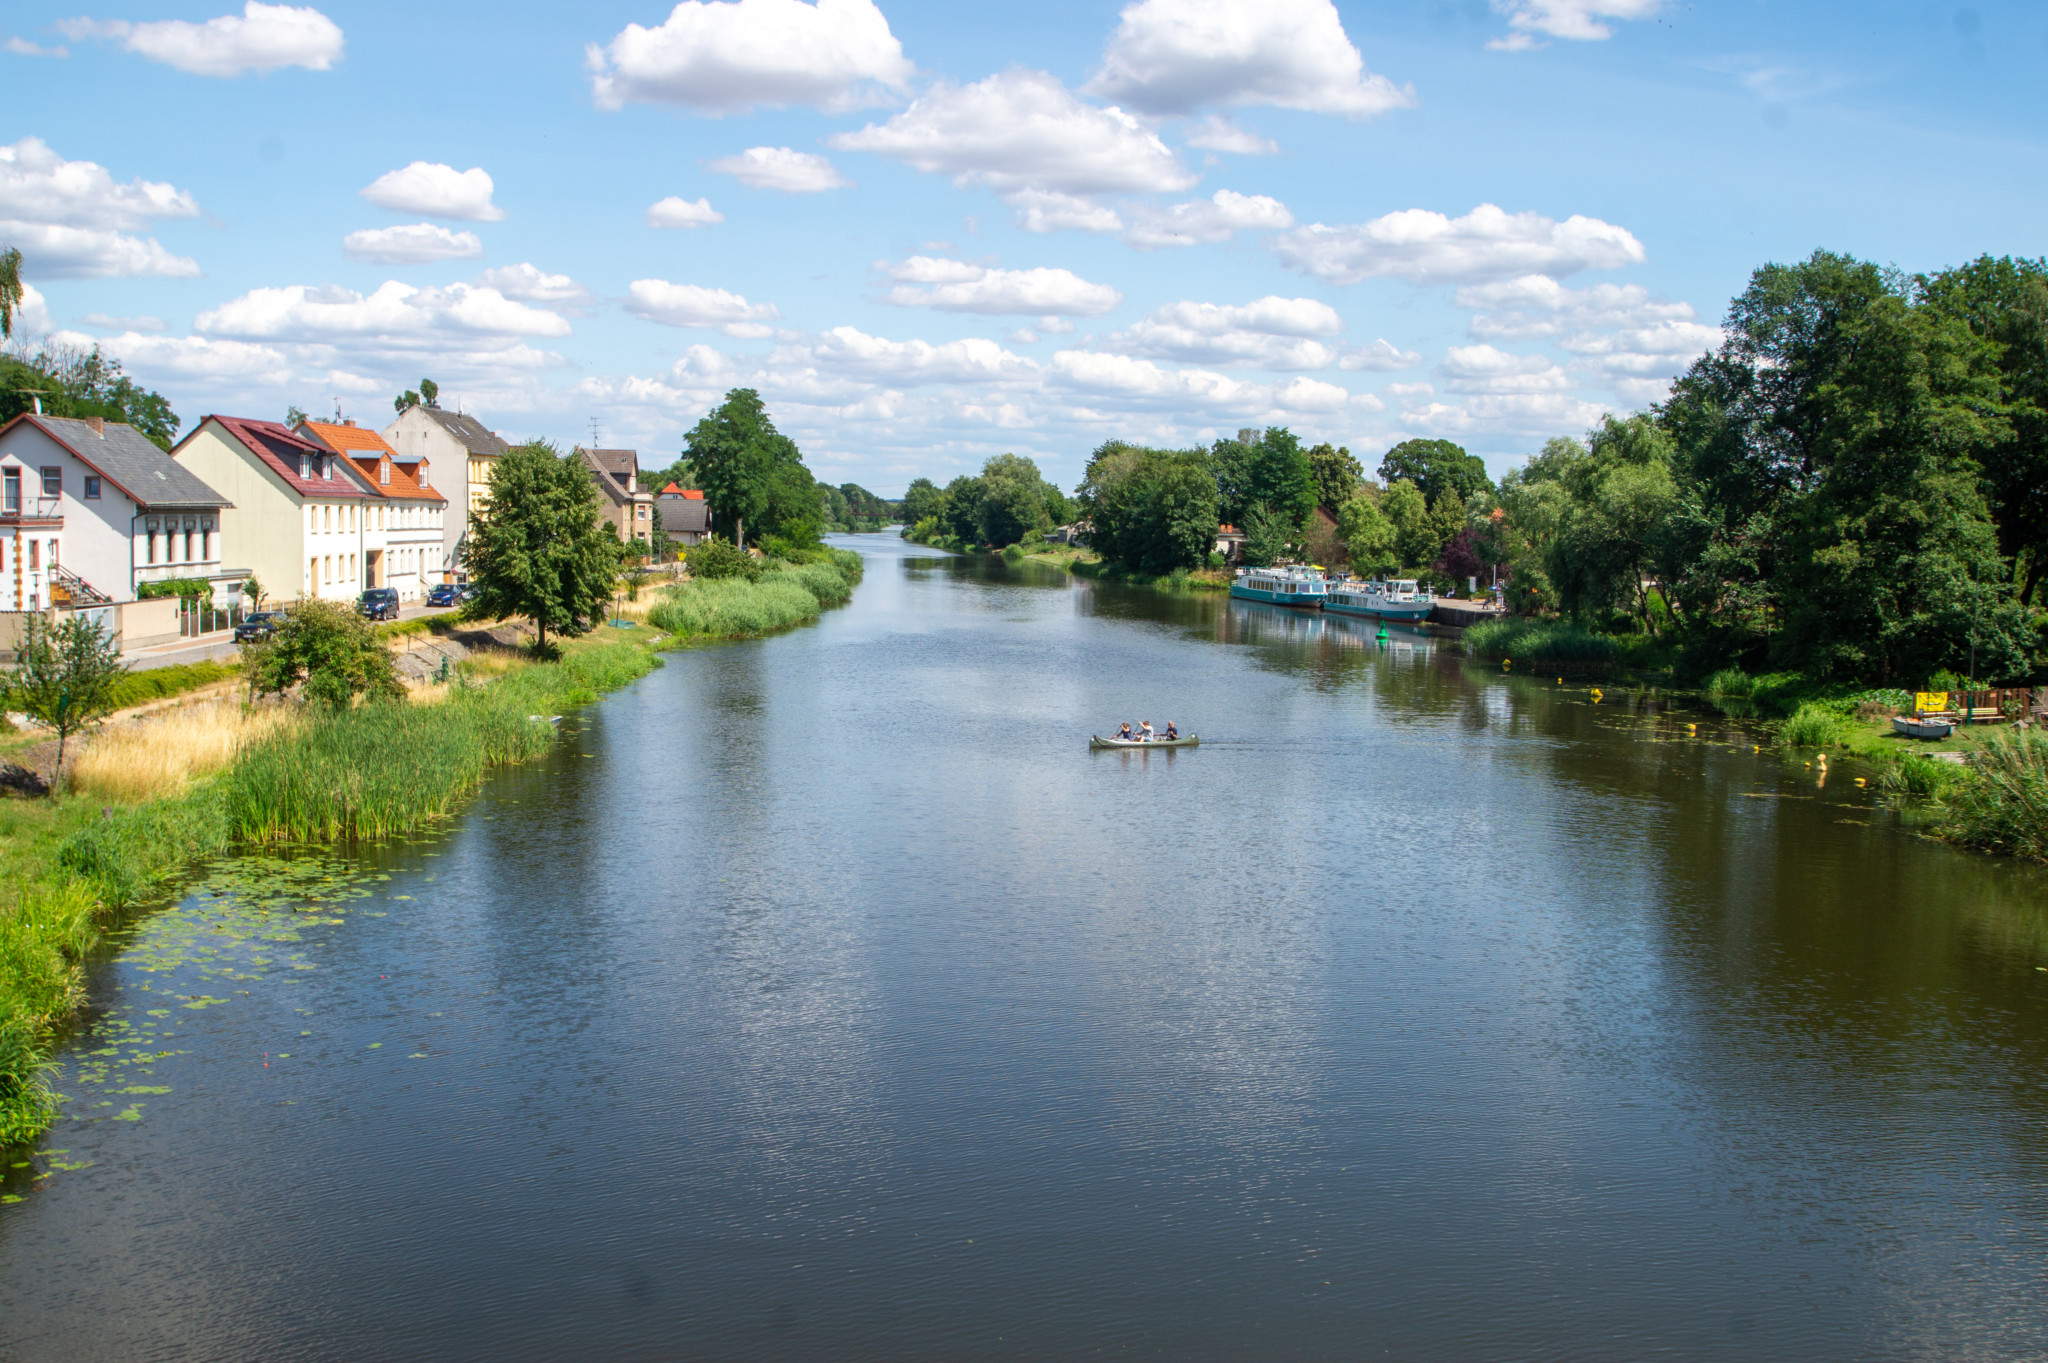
(70, 590)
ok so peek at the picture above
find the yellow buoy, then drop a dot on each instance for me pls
(1756, 747)
(1859, 780)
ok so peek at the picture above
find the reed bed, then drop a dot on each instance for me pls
(732, 607)
(162, 755)
(1814, 725)
(2001, 804)
(1541, 643)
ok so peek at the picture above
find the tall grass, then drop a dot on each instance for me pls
(1814, 725)
(163, 754)
(732, 607)
(2001, 805)
(1541, 643)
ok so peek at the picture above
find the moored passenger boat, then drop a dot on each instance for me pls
(1396, 599)
(1280, 586)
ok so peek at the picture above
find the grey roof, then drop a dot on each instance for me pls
(618, 463)
(126, 457)
(684, 515)
(472, 434)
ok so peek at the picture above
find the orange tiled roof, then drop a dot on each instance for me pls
(673, 491)
(349, 438)
(405, 479)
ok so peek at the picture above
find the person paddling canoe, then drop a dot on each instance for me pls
(1125, 733)
(1171, 732)
(1146, 737)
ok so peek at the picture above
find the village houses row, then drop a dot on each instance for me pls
(91, 511)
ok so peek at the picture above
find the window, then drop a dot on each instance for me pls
(149, 532)
(92, 487)
(33, 561)
(384, 472)
(12, 493)
(53, 482)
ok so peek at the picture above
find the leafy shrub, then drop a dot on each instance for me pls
(1814, 725)
(1730, 683)
(331, 648)
(174, 586)
(714, 559)
(1538, 641)
(1910, 774)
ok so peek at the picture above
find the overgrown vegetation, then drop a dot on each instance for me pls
(1542, 643)
(773, 596)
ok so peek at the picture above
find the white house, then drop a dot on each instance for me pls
(299, 517)
(458, 454)
(90, 510)
(403, 523)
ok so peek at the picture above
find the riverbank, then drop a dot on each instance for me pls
(74, 865)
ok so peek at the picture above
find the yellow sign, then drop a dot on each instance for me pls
(1930, 702)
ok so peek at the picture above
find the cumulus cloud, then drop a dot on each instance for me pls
(1175, 56)
(22, 47)
(1140, 382)
(1213, 219)
(956, 286)
(1269, 333)
(1382, 356)
(68, 217)
(1578, 20)
(1042, 210)
(1537, 305)
(302, 312)
(731, 57)
(531, 284)
(32, 314)
(107, 322)
(675, 211)
(261, 38)
(189, 357)
(1216, 133)
(1538, 414)
(1483, 369)
(847, 351)
(792, 172)
(414, 244)
(1023, 130)
(692, 305)
(436, 190)
(1429, 248)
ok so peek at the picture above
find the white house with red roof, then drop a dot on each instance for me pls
(90, 510)
(403, 526)
(300, 519)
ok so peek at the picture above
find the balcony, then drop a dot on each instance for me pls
(37, 511)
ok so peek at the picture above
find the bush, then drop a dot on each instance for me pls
(1540, 642)
(1815, 725)
(1730, 683)
(2001, 802)
(1910, 774)
(329, 647)
(714, 559)
(174, 586)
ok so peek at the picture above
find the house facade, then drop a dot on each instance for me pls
(403, 522)
(628, 510)
(685, 515)
(299, 519)
(90, 510)
(457, 454)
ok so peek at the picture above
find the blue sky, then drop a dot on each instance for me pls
(930, 233)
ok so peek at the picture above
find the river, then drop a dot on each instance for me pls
(824, 997)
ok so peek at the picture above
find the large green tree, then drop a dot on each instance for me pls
(540, 548)
(1336, 473)
(1272, 472)
(1369, 537)
(1436, 466)
(1013, 502)
(921, 500)
(69, 382)
(330, 649)
(1150, 511)
(735, 452)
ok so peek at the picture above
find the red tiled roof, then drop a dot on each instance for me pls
(673, 491)
(346, 437)
(405, 481)
(276, 446)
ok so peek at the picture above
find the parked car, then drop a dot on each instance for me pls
(257, 625)
(379, 603)
(442, 594)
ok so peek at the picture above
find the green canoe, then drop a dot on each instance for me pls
(1188, 742)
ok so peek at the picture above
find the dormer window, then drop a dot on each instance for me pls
(327, 469)
(305, 466)
(384, 472)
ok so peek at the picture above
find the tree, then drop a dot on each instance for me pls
(329, 647)
(252, 591)
(922, 499)
(1407, 511)
(1369, 537)
(429, 395)
(293, 415)
(1270, 471)
(11, 291)
(70, 382)
(1268, 536)
(735, 451)
(1620, 493)
(1436, 466)
(1013, 500)
(1150, 511)
(962, 517)
(1337, 475)
(65, 677)
(539, 547)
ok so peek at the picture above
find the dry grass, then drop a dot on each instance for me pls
(163, 753)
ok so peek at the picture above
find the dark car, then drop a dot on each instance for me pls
(379, 603)
(442, 594)
(258, 625)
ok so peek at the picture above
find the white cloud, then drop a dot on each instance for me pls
(1411, 390)
(1269, 333)
(1579, 20)
(1429, 248)
(675, 211)
(1382, 356)
(1483, 369)
(1208, 220)
(1216, 133)
(1042, 210)
(1023, 130)
(67, 217)
(1522, 414)
(109, 323)
(847, 351)
(1536, 305)
(414, 244)
(32, 314)
(692, 305)
(187, 357)
(22, 47)
(727, 58)
(261, 38)
(792, 172)
(531, 284)
(1143, 383)
(955, 286)
(84, 253)
(327, 314)
(1174, 56)
(436, 190)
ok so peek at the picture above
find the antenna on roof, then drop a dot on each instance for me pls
(337, 409)
(595, 429)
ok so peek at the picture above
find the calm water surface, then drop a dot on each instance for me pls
(823, 997)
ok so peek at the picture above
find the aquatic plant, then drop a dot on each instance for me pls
(2001, 802)
(735, 607)
(1916, 777)
(1540, 642)
(1814, 725)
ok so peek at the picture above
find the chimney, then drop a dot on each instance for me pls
(350, 422)
(99, 426)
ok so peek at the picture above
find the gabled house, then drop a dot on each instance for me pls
(299, 518)
(685, 515)
(90, 510)
(617, 475)
(403, 522)
(457, 454)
